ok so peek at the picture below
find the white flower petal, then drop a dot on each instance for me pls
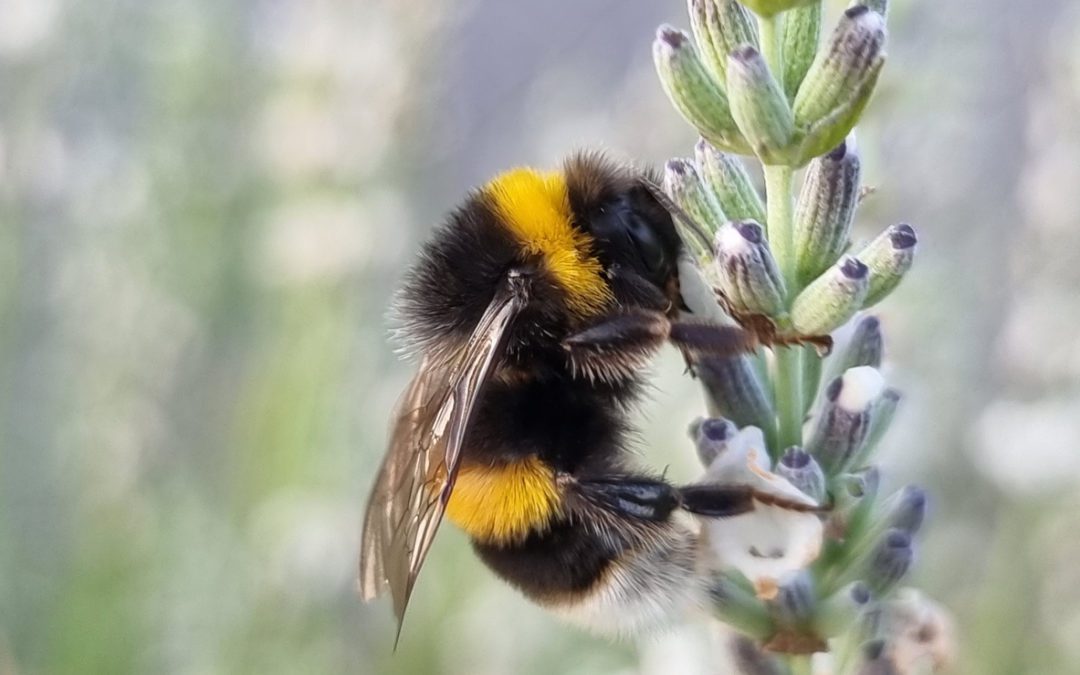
(745, 462)
(769, 542)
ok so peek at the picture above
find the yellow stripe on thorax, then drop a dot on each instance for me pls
(536, 208)
(502, 503)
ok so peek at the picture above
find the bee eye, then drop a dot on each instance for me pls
(646, 242)
(626, 236)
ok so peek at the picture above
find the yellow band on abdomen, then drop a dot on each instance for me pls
(503, 503)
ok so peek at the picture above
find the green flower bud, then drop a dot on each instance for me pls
(693, 91)
(889, 257)
(684, 186)
(768, 8)
(835, 74)
(802, 30)
(825, 210)
(734, 390)
(759, 105)
(747, 273)
(720, 26)
(842, 424)
(729, 182)
(840, 81)
(832, 129)
(831, 299)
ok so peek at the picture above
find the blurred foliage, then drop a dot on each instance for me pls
(205, 206)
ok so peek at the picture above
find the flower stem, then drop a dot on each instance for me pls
(800, 665)
(772, 44)
(788, 376)
(778, 180)
(789, 407)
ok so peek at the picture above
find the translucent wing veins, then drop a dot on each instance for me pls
(417, 475)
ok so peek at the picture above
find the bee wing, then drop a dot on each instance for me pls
(417, 474)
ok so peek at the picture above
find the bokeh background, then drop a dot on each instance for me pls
(204, 206)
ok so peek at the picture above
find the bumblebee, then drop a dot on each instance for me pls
(533, 310)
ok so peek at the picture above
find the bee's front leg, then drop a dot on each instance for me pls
(620, 345)
(727, 500)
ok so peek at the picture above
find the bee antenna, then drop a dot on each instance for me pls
(677, 211)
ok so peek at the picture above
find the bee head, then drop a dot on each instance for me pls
(633, 235)
(591, 238)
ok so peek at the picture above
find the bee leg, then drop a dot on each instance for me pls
(647, 330)
(717, 501)
(725, 501)
(632, 496)
(625, 330)
(617, 346)
(711, 339)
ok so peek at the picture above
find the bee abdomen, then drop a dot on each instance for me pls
(551, 565)
(603, 582)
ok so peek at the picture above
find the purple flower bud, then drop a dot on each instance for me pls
(826, 209)
(909, 509)
(889, 257)
(800, 469)
(865, 347)
(734, 390)
(844, 420)
(746, 270)
(795, 600)
(875, 659)
(859, 593)
(890, 561)
(711, 436)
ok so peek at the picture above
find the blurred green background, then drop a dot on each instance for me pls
(204, 206)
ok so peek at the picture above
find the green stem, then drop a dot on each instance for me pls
(800, 665)
(789, 369)
(772, 44)
(778, 180)
(789, 406)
